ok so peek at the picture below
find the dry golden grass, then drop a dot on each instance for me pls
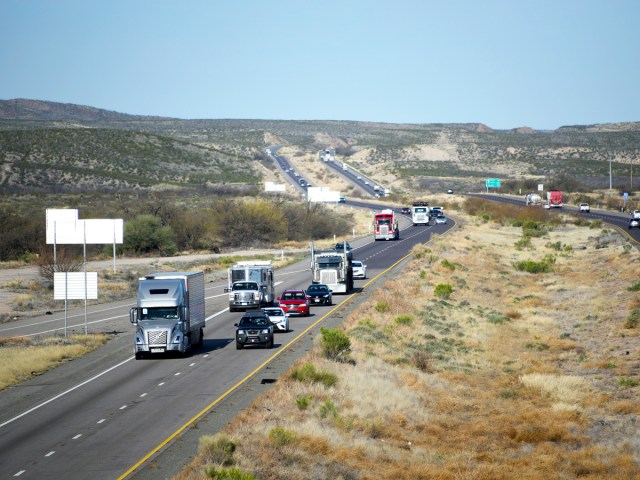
(21, 358)
(515, 375)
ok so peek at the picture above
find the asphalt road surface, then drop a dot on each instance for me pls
(108, 415)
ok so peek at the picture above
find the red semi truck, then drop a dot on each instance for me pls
(385, 226)
(554, 199)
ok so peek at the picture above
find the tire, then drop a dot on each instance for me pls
(139, 356)
(201, 338)
(239, 346)
(269, 344)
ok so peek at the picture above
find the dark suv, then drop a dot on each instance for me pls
(254, 329)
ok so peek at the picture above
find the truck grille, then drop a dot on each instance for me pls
(329, 277)
(157, 337)
(243, 296)
(384, 229)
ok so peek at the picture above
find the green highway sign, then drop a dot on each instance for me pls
(493, 183)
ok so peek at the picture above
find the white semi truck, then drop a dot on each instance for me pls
(332, 268)
(420, 213)
(250, 285)
(170, 313)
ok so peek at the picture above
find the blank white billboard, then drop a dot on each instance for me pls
(91, 231)
(71, 285)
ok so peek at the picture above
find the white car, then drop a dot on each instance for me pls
(441, 219)
(584, 207)
(635, 214)
(278, 318)
(359, 269)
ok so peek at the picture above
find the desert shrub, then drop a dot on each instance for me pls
(421, 360)
(145, 234)
(634, 288)
(279, 437)
(633, 319)
(382, 306)
(228, 474)
(328, 409)
(443, 290)
(531, 266)
(531, 228)
(303, 401)
(335, 344)
(308, 374)
(497, 318)
(448, 265)
(218, 449)
(524, 242)
(625, 382)
(404, 320)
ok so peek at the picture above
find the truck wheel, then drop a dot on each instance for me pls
(201, 338)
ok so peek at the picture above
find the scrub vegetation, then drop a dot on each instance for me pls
(22, 357)
(512, 375)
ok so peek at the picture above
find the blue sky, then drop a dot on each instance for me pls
(505, 63)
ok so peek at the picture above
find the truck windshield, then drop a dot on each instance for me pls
(384, 221)
(159, 313)
(245, 286)
(420, 210)
(331, 262)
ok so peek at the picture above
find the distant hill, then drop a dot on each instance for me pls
(134, 151)
(23, 109)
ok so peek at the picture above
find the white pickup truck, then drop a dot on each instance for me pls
(584, 207)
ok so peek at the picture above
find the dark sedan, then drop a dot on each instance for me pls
(319, 294)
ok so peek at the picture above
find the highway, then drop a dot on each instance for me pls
(108, 415)
(615, 219)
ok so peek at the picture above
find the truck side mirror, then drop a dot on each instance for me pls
(226, 290)
(133, 316)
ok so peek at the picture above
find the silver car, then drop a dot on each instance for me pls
(359, 269)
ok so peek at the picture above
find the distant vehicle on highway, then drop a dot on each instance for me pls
(254, 328)
(405, 210)
(636, 214)
(341, 199)
(359, 269)
(441, 219)
(584, 207)
(319, 293)
(634, 223)
(449, 191)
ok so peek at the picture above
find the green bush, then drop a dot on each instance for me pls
(448, 265)
(634, 288)
(145, 233)
(308, 374)
(531, 266)
(633, 319)
(443, 290)
(404, 320)
(335, 344)
(524, 242)
(280, 437)
(328, 409)
(228, 474)
(382, 306)
(303, 401)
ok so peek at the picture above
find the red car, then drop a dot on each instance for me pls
(294, 302)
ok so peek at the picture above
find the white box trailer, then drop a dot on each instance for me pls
(250, 285)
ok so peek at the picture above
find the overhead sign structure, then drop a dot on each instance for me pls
(492, 183)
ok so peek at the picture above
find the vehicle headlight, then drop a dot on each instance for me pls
(240, 332)
(326, 296)
(176, 339)
(139, 339)
(265, 330)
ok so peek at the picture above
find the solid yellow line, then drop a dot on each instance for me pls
(254, 372)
